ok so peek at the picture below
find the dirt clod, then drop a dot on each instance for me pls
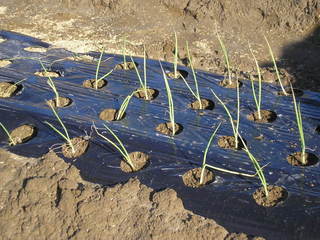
(80, 147)
(139, 160)
(151, 93)
(276, 195)
(7, 89)
(110, 114)
(63, 102)
(4, 63)
(228, 142)
(166, 128)
(50, 74)
(225, 83)
(295, 159)
(206, 104)
(126, 66)
(36, 49)
(180, 73)
(297, 92)
(192, 177)
(266, 116)
(22, 134)
(91, 83)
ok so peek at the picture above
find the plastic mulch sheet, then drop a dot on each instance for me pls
(228, 199)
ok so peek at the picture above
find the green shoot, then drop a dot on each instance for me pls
(297, 111)
(257, 167)
(117, 144)
(124, 106)
(175, 63)
(275, 67)
(195, 94)
(64, 135)
(97, 79)
(235, 127)
(256, 100)
(170, 101)
(226, 58)
(143, 84)
(11, 142)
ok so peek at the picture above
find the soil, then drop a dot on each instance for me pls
(166, 128)
(47, 74)
(297, 92)
(226, 84)
(295, 159)
(81, 58)
(206, 105)
(4, 63)
(51, 201)
(242, 236)
(36, 49)
(179, 74)
(127, 66)
(7, 89)
(228, 142)
(276, 195)
(80, 147)
(151, 93)
(23, 133)
(139, 160)
(91, 83)
(110, 114)
(63, 102)
(192, 177)
(266, 116)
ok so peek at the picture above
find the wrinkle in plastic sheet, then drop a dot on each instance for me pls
(228, 200)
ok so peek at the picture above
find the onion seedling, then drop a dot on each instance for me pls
(275, 67)
(97, 79)
(256, 100)
(196, 94)
(124, 55)
(297, 111)
(143, 84)
(226, 58)
(11, 142)
(124, 105)
(117, 144)
(235, 127)
(175, 63)
(170, 101)
(64, 135)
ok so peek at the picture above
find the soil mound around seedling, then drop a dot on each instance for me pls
(91, 83)
(151, 93)
(225, 84)
(63, 102)
(266, 116)
(206, 105)
(297, 92)
(7, 89)
(36, 49)
(180, 73)
(22, 134)
(50, 74)
(126, 66)
(295, 159)
(139, 160)
(110, 114)
(228, 142)
(80, 146)
(166, 128)
(192, 177)
(4, 63)
(276, 195)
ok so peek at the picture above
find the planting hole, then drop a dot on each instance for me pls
(63, 102)
(276, 195)
(166, 128)
(228, 142)
(9, 89)
(297, 92)
(126, 66)
(36, 49)
(91, 83)
(206, 104)
(110, 114)
(295, 159)
(47, 74)
(139, 160)
(80, 147)
(4, 63)
(192, 177)
(23, 134)
(152, 93)
(318, 129)
(180, 73)
(266, 116)
(225, 83)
